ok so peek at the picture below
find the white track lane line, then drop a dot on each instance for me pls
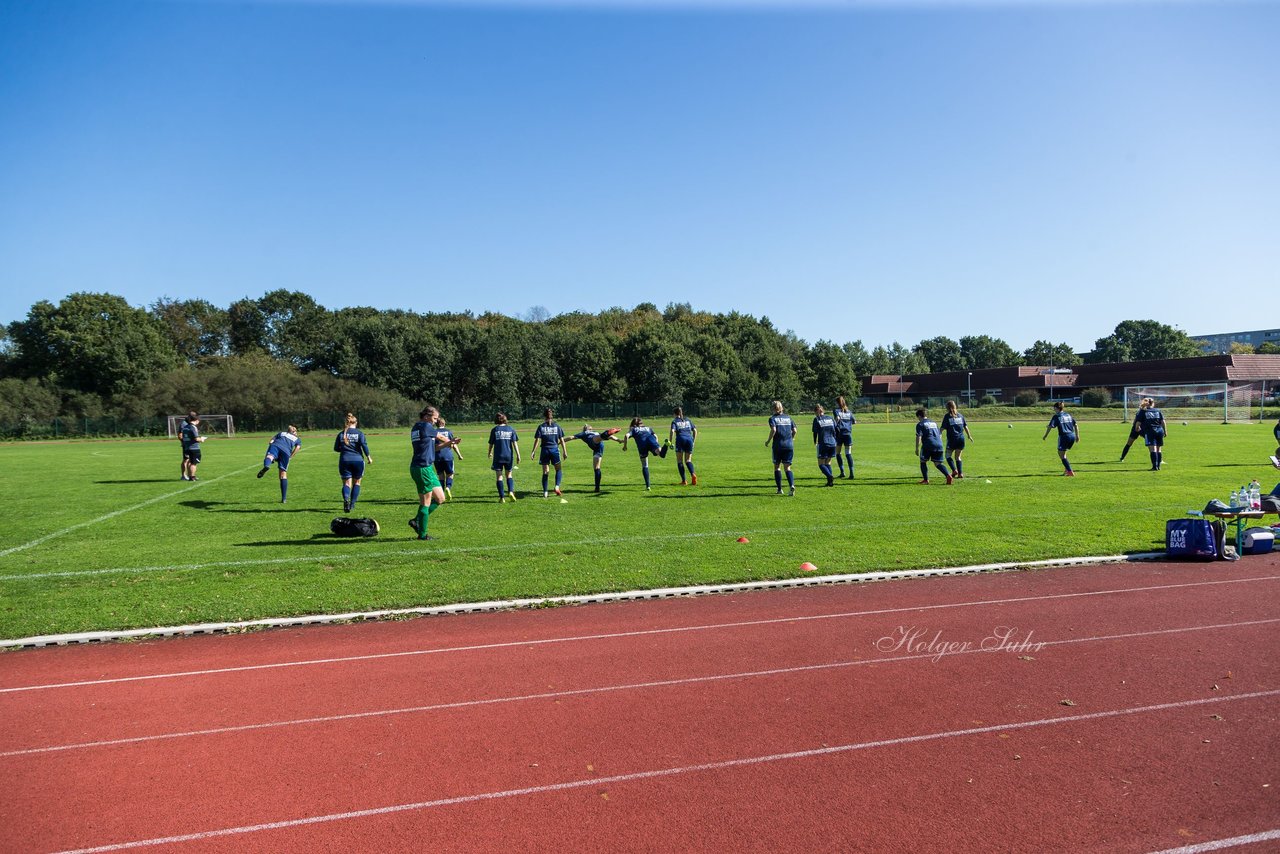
(339, 557)
(605, 689)
(1219, 844)
(663, 772)
(121, 512)
(615, 635)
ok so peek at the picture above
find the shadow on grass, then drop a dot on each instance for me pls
(224, 507)
(325, 539)
(145, 480)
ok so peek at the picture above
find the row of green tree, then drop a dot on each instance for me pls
(93, 354)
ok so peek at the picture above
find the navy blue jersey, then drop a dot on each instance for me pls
(352, 445)
(1276, 431)
(645, 438)
(445, 454)
(784, 431)
(929, 435)
(683, 428)
(824, 430)
(190, 435)
(593, 439)
(844, 423)
(549, 434)
(285, 443)
(953, 426)
(1150, 422)
(423, 435)
(502, 440)
(1066, 424)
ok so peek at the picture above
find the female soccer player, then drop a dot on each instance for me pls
(191, 439)
(551, 437)
(427, 441)
(646, 444)
(595, 441)
(956, 429)
(353, 450)
(684, 434)
(1150, 423)
(782, 435)
(444, 457)
(1136, 430)
(1275, 431)
(504, 446)
(1068, 434)
(283, 446)
(929, 446)
(844, 434)
(824, 436)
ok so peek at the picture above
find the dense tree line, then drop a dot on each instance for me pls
(94, 354)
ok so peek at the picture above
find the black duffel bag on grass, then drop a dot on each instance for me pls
(344, 527)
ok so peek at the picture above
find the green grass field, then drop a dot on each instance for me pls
(103, 535)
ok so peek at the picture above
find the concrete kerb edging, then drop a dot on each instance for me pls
(549, 601)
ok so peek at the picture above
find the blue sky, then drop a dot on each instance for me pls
(876, 171)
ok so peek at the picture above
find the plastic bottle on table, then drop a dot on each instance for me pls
(1255, 496)
(1235, 497)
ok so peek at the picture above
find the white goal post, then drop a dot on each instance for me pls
(1226, 400)
(210, 425)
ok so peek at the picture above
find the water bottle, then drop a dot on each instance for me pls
(1255, 496)
(1235, 497)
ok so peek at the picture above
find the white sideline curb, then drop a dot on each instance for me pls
(545, 601)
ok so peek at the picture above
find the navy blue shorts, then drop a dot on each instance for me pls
(499, 465)
(930, 455)
(444, 468)
(953, 445)
(191, 454)
(282, 462)
(845, 439)
(353, 469)
(783, 455)
(684, 446)
(1151, 439)
(1065, 442)
(549, 456)
(826, 451)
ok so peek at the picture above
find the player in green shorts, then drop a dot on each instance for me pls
(426, 440)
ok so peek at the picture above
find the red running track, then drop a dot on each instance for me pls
(1123, 708)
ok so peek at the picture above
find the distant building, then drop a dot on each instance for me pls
(1221, 342)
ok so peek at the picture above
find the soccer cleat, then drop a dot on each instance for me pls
(925, 482)
(512, 496)
(779, 492)
(683, 483)
(694, 482)
(413, 523)
(792, 492)
(831, 481)
(646, 489)
(346, 507)
(422, 537)
(1068, 474)
(184, 477)
(950, 480)
(558, 492)
(544, 493)
(193, 477)
(264, 470)
(448, 494)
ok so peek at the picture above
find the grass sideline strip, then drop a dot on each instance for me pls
(557, 601)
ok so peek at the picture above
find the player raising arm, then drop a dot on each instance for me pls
(282, 448)
(646, 444)
(595, 441)
(1068, 434)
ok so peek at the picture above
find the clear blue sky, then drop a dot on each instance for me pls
(873, 171)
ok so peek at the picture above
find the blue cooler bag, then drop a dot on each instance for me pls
(1193, 538)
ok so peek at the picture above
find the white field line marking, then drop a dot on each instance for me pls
(604, 689)
(115, 513)
(616, 635)
(664, 772)
(340, 557)
(1219, 844)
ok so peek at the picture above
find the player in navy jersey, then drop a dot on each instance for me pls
(191, 440)
(955, 429)
(595, 441)
(353, 450)
(683, 433)
(782, 435)
(844, 434)
(1149, 423)
(551, 437)
(283, 446)
(929, 446)
(444, 457)
(1275, 431)
(824, 436)
(504, 451)
(646, 443)
(1068, 434)
(427, 442)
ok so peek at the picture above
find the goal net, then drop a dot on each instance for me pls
(1227, 401)
(210, 425)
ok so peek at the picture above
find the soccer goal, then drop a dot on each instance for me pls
(210, 425)
(1228, 401)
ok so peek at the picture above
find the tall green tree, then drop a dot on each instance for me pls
(1139, 340)
(197, 328)
(942, 354)
(831, 372)
(983, 351)
(91, 343)
(1046, 353)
